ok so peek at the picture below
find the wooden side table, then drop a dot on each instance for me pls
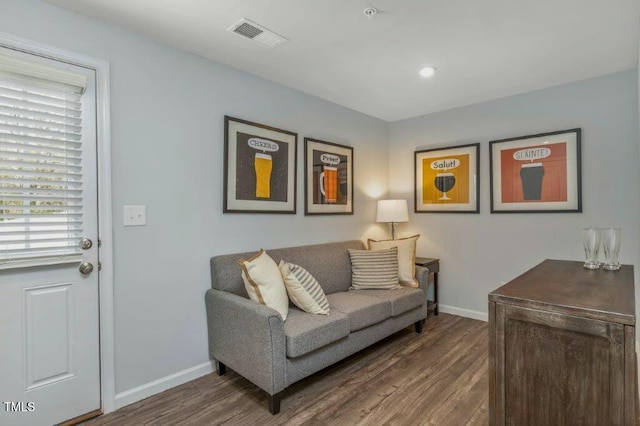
(434, 267)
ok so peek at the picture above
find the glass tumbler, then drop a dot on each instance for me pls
(611, 246)
(591, 241)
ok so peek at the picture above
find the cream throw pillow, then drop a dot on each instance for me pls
(303, 289)
(406, 257)
(264, 283)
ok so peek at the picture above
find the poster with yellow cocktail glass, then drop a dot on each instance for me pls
(259, 168)
(447, 180)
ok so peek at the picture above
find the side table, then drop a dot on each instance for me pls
(434, 267)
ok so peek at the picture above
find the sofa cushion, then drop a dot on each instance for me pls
(306, 332)
(329, 264)
(402, 300)
(361, 309)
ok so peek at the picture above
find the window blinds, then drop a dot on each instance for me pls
(40, 164)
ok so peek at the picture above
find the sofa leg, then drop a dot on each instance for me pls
(220, 368)
(274, 403)
(418, 325)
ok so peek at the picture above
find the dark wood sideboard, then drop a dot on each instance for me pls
(562, 347)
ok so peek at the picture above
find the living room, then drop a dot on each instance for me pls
(167, 109)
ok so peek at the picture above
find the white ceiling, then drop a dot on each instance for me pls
(483, 49)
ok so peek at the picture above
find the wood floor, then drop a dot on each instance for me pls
(438, 377)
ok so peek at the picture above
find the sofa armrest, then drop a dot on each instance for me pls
(422, 276)
(248, 337)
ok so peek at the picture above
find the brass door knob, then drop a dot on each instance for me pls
(86, 268)
(86, 244)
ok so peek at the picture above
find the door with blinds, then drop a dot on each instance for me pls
(49, 289)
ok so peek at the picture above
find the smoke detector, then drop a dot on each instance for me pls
(257, 33)
(370, 12)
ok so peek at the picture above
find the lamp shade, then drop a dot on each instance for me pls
(392, 211)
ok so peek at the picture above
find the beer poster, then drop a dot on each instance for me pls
(259, 168)
(447, 180)
(328, 178)
(537, 173)
(261, 172)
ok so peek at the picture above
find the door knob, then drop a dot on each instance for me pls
(86, 268)
(86, 244)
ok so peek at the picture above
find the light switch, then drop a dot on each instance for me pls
(135, 215)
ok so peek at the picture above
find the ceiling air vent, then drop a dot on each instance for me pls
(257, 33)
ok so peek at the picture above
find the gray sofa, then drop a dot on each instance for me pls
(253, 340)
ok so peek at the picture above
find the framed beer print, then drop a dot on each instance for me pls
(328, 178)
(447, 180)
(537, 173)
(259, 168)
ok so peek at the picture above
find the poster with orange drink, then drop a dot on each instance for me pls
(328, 178)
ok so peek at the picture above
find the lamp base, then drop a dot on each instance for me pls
(392, 226)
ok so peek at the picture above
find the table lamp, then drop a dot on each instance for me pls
(392, 212)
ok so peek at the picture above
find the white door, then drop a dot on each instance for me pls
(49, 317)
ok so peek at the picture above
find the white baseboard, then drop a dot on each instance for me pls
(145, 391)
(467, 313)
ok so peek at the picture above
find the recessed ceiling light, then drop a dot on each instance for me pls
(427, 72)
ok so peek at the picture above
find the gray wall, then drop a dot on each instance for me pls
(479, 251)
(167, 127)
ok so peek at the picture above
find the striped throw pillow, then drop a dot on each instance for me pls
(303, 289)
(374, 269)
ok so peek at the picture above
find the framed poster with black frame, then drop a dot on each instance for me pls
(447, 180)
(259, 168)
(328, 178)
(537, 173)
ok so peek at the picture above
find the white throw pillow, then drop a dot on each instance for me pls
(406, 257)
(374, 269)
(303, 289)
(264, 283)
